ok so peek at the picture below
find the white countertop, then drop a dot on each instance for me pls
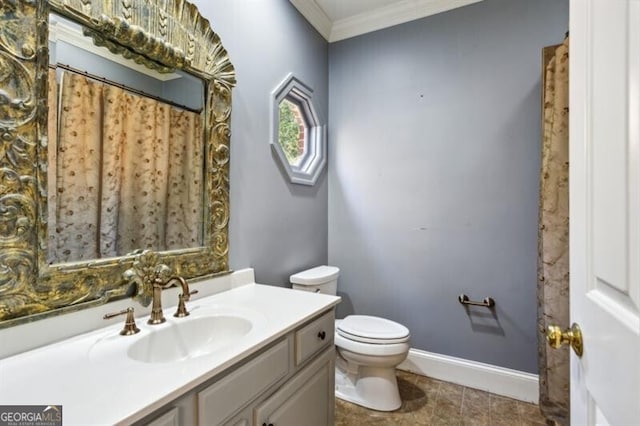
(96, 383)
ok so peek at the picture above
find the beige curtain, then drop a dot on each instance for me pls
(553, 242)
(78, 170)
(130, 173)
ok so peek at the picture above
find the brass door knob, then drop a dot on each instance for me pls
(573, 336)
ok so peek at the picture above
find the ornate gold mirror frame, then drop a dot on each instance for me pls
(162, 34)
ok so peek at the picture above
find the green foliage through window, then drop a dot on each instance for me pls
(289, 132)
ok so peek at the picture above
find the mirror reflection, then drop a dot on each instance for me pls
(126, 153)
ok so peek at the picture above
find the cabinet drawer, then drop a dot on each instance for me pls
(314, 336)
(225, 397)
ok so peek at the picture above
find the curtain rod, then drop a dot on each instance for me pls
(122, 86)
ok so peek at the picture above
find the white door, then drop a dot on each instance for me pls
(605, 210)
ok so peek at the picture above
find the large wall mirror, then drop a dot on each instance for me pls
(114, 135)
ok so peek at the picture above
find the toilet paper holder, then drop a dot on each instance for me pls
(487, 302)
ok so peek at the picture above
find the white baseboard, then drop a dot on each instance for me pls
(502, 381)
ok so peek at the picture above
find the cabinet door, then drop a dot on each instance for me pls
(225, 397)
(243, 418)
(307, 399)
(179, 413)
(170, 418)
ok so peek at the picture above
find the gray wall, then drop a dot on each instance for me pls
(434, 134)
(276, 227)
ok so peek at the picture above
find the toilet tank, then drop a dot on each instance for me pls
(321, 279)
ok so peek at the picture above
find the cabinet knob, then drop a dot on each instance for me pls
(322, 335)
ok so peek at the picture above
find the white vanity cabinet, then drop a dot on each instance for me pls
(289, 383)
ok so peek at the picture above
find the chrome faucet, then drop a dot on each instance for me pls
(151, 277)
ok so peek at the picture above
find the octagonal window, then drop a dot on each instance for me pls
(298, 137)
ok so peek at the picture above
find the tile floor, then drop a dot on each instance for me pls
(433, 402)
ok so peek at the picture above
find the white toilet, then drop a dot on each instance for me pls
(369, 348)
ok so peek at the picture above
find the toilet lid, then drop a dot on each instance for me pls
(368, 329)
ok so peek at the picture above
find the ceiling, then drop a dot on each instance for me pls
(341, 19)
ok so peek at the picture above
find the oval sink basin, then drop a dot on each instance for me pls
(189, 338)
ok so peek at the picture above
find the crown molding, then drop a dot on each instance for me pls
(315, 15)
(377, 19)
(394, 14)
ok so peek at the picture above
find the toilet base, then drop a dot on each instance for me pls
(370, 387)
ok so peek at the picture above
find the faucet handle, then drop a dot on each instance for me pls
(130, 327)
(182, 309)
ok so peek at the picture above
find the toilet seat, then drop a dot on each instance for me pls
(372, 330)
(371, 349)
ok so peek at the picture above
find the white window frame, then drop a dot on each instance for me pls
(314, 158)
